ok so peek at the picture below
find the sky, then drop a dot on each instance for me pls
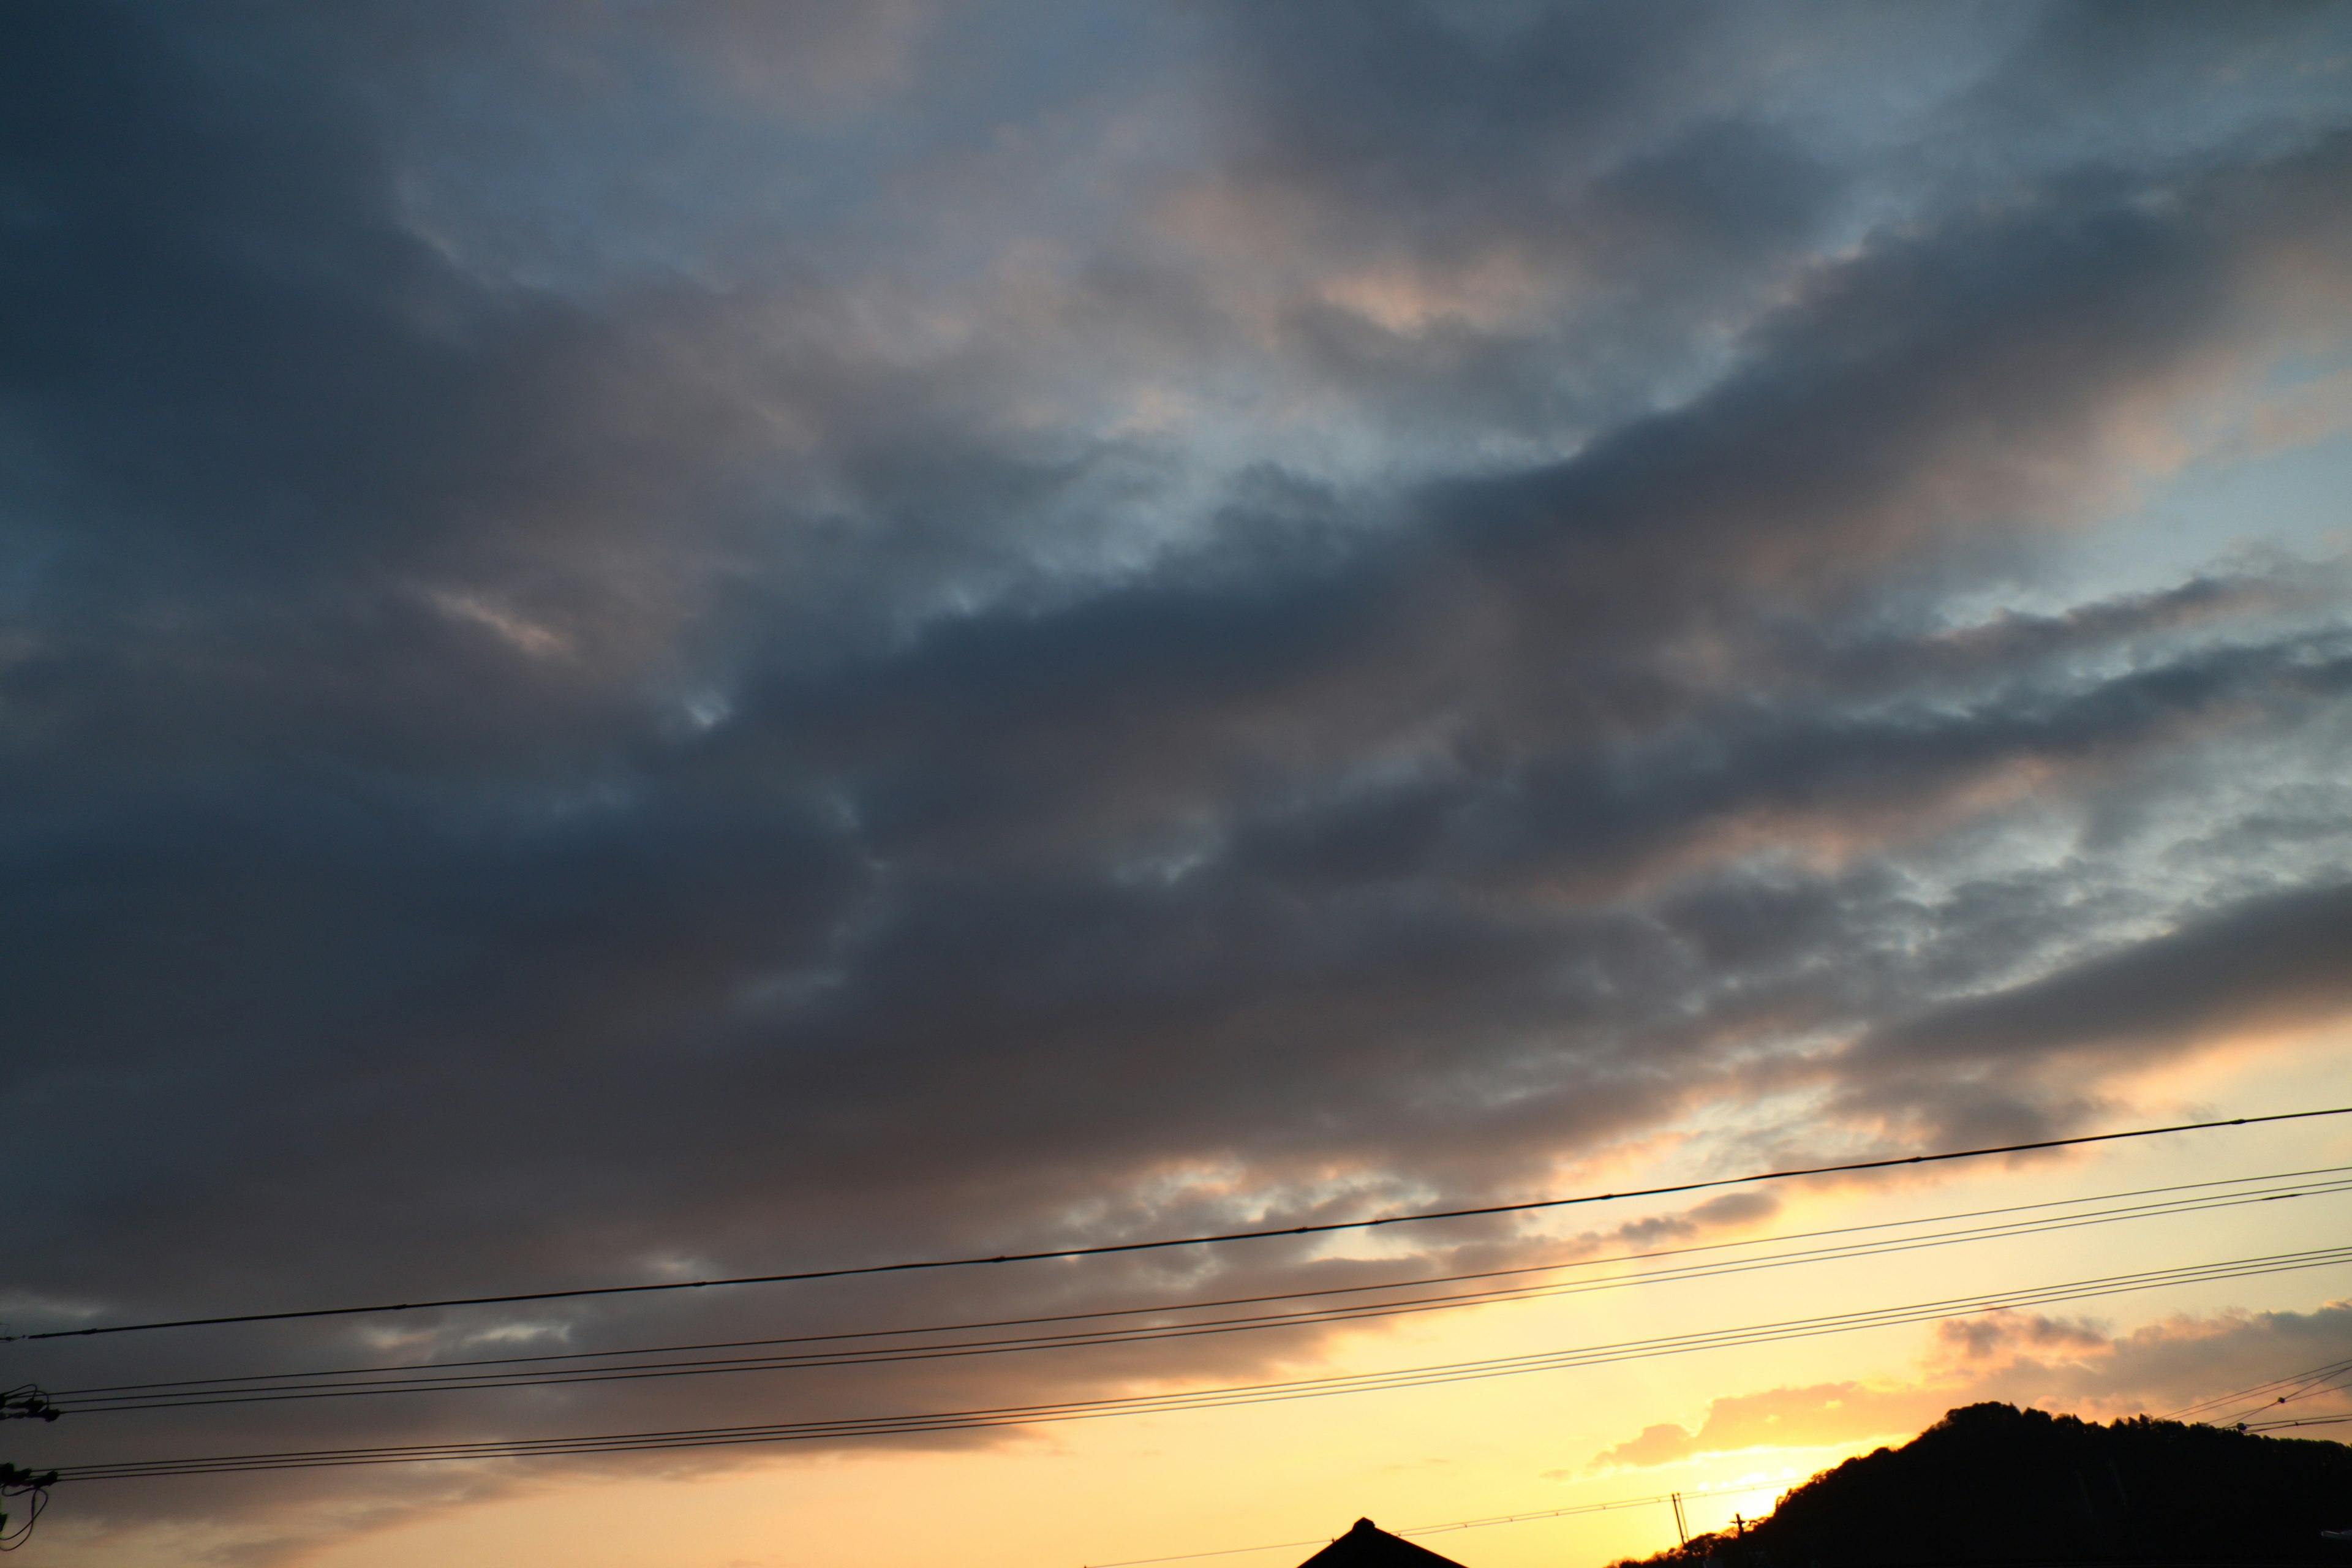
(654, 641)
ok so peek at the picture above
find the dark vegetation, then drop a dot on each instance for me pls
(1991, 1483)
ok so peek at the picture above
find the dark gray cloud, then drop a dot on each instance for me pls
(2263, 964)
(1346, 606)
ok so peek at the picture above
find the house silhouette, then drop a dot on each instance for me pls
(1369, 1546)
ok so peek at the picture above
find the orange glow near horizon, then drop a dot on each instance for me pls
(1096, 1492)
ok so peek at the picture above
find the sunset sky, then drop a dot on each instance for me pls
(647, 641)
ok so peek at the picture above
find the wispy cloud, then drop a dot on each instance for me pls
(2076, 1366)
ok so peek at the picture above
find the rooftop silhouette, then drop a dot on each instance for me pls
(1367, 1545)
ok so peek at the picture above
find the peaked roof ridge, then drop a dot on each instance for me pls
(1367, 1545)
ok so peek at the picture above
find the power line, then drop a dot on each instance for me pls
(467, 1377)
(1219, 1398)
(2307, 1421)
(2264, 1408)
(2263, 1195)
(1324, 1228)
(2319, 1381)
(2295, 1382)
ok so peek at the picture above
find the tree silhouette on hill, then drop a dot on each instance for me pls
(1991, 1483)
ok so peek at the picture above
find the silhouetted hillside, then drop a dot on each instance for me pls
(1990, 1483)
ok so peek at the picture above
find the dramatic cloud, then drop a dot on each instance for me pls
(2027, 1359)
(636, 643)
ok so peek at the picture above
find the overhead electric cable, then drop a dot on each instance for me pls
(1218, 1398)
(458, 1377)
(2269, 1406)
(2264, 1194)
(1324, 1228)
(2289, 1380)
(1214, 1398)
(2333, 1380)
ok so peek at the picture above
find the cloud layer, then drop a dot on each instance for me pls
(640, 644)
(2070, 1365)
